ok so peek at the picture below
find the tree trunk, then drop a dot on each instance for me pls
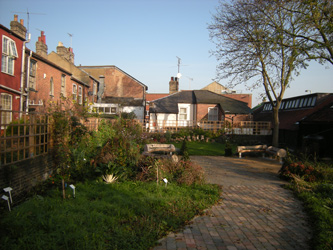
(276, 126)
(63, 188)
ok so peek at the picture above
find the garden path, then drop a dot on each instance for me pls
(255, 211)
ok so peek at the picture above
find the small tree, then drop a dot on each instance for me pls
(65, 132)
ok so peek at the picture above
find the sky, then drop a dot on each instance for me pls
(144, 38)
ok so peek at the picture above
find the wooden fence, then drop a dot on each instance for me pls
(162, 126)
(27, 136)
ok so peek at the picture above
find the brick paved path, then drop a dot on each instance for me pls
(255, 211)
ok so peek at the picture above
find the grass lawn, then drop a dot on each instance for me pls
(204, 148)
(129, 215)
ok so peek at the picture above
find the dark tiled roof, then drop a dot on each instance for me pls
(290, 118)
(124, 101)
(169, 104)
(324, 114)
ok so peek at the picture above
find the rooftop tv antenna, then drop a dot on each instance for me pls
(179, 75)
(28, 16)
(71, 35)
(190, 80)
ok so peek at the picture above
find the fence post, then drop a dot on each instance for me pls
(32, 136)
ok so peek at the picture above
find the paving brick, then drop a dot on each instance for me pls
(259, 215)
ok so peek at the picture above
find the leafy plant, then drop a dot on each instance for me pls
(109, 178)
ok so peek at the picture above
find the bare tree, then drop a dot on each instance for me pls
(252, 45)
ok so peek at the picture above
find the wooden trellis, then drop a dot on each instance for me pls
(25, 136)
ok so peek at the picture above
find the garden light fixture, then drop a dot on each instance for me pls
(165, 181)
(6, 199)
(72, 187)
(8, 190)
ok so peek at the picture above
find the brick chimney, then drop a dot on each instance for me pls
(173, 85)
(18, 27)
(66, 53)
(41, 47)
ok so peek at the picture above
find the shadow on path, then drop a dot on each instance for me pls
(255, 211)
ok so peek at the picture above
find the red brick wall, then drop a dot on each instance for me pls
(12, 81)
(44, 72)
(238, 118)
(117, 83)
(120, 85)
(202, 111)
(24, 175)
(247, 98)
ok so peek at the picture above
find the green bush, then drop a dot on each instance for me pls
(181, 172)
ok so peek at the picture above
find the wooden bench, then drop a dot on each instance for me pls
(279, 152)
(251, 149)
(160, 151)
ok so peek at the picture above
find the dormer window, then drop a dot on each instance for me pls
(9, 53)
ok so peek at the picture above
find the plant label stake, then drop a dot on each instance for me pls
(73, 187)
(8, 190)
(6, 199)
(166, 181)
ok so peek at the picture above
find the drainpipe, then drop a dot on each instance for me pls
(27, 82)
(22, 74)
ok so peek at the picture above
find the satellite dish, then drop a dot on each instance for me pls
(179, 75)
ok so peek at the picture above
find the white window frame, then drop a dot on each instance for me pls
(215, 115)
(103, 108)
(51, 87)
(74, 92)
(32, 74)
(63, 85)
(183, 113)
(95, 88)
(6, 117)
(80, 95)
(9, 54)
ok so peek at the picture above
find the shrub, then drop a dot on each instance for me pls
(121, 151)
(184, 151)
(181, 172)
(308, 173)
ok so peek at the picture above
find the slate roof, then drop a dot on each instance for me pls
(169, 104)
(124, 101)
(290, 118)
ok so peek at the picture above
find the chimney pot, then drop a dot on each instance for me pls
(22, 21)
(41, 47)
(18, 27)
